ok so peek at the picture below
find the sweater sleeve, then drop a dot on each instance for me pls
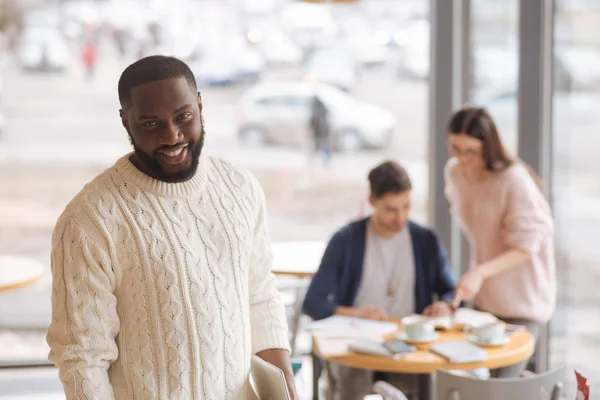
(527, 221)
(267, 312)
(84, 322)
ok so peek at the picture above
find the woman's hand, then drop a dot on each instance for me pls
(468, 287)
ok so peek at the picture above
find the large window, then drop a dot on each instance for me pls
(62, 127)
(576, 146)
(495, 63)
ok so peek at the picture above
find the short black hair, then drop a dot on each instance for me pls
(152, 69)
(388, 177)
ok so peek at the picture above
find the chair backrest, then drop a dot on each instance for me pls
(545, 386)
(387, 391)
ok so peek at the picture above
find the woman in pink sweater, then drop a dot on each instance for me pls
(507, 222)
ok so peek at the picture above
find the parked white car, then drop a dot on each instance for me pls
(279, 113)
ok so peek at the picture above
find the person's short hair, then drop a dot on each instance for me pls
(388, 177)
(152, 69)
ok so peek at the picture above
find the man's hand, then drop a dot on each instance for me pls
(438, 309)
(371, 312)
(468, 287)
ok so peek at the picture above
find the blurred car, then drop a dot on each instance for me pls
(307, 24)
(214, 70)
(368, 51)
(250, 64)
(218, 67)
(279, 113)
(496, 66)
(363, 40)
(280, 50)
(578, 68)
(332, 66)
(578, 112)
(413, 51)
(42, 48)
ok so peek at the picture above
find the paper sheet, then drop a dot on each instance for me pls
(343, 324)
(332, 344)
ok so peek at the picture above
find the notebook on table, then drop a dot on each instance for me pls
(460, 351)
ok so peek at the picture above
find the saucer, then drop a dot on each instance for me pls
(428, 339)
(489, 343)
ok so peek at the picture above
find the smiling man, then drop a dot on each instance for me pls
(162, 286)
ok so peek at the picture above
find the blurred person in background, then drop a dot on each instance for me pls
(89, 55)
(508, 224)
(319, 123)
(120, 37)
(379, 266)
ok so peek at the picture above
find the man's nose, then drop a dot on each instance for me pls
(171, 135)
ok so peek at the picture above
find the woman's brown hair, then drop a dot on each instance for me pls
(477, 123)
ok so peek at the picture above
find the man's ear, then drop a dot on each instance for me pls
(124, 119)
(371, 200)
(199, 101)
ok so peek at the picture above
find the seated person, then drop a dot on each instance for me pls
(383, 265)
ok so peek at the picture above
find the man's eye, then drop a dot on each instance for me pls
(183, 116)
(149, 124)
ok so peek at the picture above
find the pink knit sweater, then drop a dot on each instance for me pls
(507, 211)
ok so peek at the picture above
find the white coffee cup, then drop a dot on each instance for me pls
(491, 332)
(418, 327)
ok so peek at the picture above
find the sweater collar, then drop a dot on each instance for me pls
(131, 174)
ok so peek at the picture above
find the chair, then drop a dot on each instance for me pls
(545, 386)
(387, 391)
(293, 292)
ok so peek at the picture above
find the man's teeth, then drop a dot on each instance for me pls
(175, 152)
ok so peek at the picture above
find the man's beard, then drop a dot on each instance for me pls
(153, 165)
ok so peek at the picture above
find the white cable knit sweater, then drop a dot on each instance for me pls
(163, 290)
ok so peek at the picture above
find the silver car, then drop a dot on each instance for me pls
(279, 113)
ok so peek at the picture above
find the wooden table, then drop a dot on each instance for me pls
(17, 272)
(520, 348)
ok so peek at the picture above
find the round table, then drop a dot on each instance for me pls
(520, 347)
(17, 272)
